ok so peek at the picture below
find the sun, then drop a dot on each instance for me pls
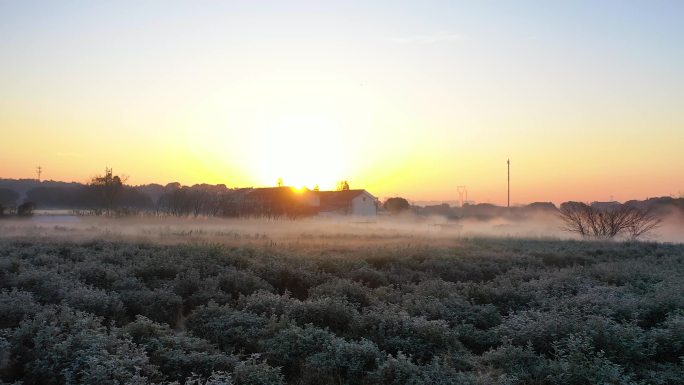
(303, 150)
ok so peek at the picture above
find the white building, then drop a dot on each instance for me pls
(347, 202)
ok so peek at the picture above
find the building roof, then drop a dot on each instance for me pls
(270, 193)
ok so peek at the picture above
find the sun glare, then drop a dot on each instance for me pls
(303, 151)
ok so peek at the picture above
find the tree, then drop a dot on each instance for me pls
(396, 205)
(607, 223)
(26, 209)
(641, 222)
(8, 197)
(342, 185)
(109, 188)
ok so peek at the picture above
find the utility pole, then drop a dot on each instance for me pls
(508, 163)
(39, 170)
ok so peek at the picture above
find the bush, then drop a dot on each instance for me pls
(158, 305)
(350, 291)
(528, 312)
(178, 356)
(61, 345)
(292, 346)
(334, 313)
(342, 362)
(231, 329)
(395, 331)
(15, 306)
(255, 372)
(266, 304)
(578, 363)
(97, 302)
(235, 282)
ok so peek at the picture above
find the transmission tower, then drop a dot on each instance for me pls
(39, 171)
(462, 193)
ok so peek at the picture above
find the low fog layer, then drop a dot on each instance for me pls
(342, 231)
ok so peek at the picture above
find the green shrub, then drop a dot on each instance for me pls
(16, 305)
(177, 355)
(61, 345)
(231, 329)
(255, 372)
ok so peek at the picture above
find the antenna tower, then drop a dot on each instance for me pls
(462, 193)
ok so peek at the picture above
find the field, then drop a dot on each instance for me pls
(338, 309)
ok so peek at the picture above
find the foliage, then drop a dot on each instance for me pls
(489, 311)
(26, 209)
(342, 185)
(8, 197)
(396, 205)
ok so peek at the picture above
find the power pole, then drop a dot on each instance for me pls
(508, 163)
(39, 171)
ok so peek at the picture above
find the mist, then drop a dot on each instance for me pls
(335, 231)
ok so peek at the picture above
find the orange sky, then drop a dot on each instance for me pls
(413, 100)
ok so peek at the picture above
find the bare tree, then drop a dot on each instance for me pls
(607, 223)
(642, 222)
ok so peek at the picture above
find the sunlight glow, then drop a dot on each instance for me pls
(303, 150)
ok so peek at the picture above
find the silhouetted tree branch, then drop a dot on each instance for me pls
(607, 223)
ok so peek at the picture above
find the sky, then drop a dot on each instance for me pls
(413, 99)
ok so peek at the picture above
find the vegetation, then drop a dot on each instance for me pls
(486, 312)
(609, 222)
(396, 205)
(8, 197)
(342, 185)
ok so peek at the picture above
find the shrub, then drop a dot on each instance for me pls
(97, 302)
(352, 292)
(578, 363)
(334, 313)
(235, 282)
(178, 355)
(266, 304)
(216, 378)
(255, 372)
(285, 278)
(395, 331)
(15, 306)
(158, 305)
(342, 362)
(61, 345)
(529, 311)
(230, 329)
(291, 347)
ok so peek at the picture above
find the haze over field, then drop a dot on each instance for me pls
(410, 99)
(341, 192)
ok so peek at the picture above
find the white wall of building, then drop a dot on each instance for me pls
(364, 205)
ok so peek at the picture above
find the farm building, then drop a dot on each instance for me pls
(347, 202)
(286, 201)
